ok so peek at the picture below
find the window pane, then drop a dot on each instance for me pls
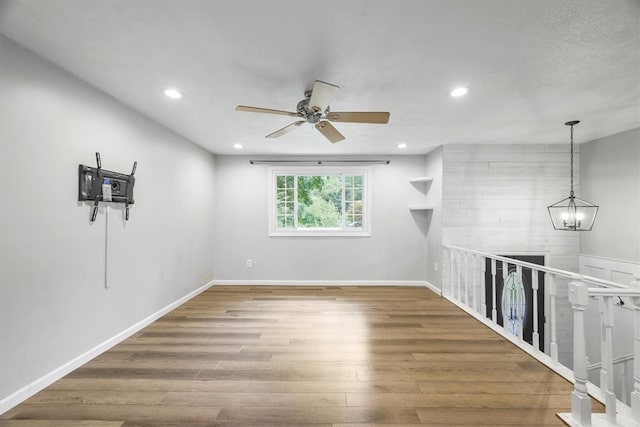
(349, 208)
(357, 181)
(289, 195)
(319, 201)
(348, 181)
(353, 221)
(280, 181)
(357, 207)
(290, 181)
(290, 221)
(285, 208)
(348, 194)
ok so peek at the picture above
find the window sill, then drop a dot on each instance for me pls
(323, 233)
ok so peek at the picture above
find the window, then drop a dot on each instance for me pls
(319, 201)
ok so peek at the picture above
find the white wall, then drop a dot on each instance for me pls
(434, 230)
(53, 303)
(396, 251)
(610, 178)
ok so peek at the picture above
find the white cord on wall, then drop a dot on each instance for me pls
(106, 245)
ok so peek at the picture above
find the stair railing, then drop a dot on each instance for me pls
(466, 285)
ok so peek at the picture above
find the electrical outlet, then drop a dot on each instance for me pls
(435, 267)
(249, 263)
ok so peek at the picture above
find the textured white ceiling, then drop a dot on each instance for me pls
(530, 66)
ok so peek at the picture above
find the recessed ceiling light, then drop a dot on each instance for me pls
(459, 91)
(173, 93)
(402, 145)
(237, 146)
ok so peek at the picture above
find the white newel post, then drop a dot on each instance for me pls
(606, 349)
(580, 400)
(635, 394)
(553, 345)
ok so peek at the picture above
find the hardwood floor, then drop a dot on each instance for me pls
(306, 356)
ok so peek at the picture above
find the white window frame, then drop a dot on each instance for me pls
(365, 231)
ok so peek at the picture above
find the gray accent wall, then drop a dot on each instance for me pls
(610, 178)
(53, 302)
(396, 250)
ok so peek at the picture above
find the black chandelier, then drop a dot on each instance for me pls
(572, 213)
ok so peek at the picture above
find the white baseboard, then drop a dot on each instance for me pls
(326, 283)
(48, 379)
(433, 288)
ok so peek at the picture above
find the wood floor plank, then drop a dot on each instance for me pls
(60, 423)
(551, 387)
(319, 415)
(95, 397)
(130, 413)
(231, 386)
(321, 356)
(494, 417)
(469, 400)
(254, 399)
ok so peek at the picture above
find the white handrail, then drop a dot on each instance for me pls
(616, 361)
(562, 273)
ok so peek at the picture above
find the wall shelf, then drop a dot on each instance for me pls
(421, 179)
(422, 184)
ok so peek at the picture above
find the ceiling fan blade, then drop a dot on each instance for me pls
(329, 131)
(286, 129)
(359, 117)
(321, 96)
(266, 110)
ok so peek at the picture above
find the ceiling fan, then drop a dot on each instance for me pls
(314, 109)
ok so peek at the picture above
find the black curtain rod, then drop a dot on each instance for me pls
(320, 162)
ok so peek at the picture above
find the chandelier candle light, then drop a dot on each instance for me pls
(572, 213)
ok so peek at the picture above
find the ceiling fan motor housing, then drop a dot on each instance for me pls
(310, 115)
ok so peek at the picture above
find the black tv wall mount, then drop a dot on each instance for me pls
(101, 185)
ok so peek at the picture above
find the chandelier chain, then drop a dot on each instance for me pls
(571, 161)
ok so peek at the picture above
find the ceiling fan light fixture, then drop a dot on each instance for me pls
(459, 91)
(238, 146)
(402, 145)
(173, 93)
